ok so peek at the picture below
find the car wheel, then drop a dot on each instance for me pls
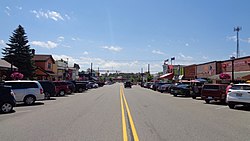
(47, 95)
(194, 97)
(62, 93)
(175, 95)
(207, 101)
(80, 90)
(231, 106)
(6, 107)
(29, 100)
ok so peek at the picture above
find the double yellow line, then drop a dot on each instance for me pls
(130, 119)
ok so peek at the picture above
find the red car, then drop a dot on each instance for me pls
(62, 88)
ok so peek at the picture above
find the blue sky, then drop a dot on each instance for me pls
(126, 35)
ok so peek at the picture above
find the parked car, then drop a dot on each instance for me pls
(100, 84)
(7, 99)
(26, 91)
(238, 94)
(214, 92)
(71, 87)
(172, 86)
(127, 84)
(164, 87)
(80, 86)
(49, 88)
(158, 84)
(147, 85)
(62, 88)
(196, 90)
(182, 89)
(93, 85)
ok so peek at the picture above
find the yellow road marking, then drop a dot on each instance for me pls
(134, 132)
(124, 127)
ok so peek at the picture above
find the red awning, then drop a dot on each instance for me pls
(167, 76)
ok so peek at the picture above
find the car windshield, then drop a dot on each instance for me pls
(241, 87)
(212, 87)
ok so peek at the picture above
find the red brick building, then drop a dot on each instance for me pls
(209, 69)
(189, 72)
(241, 68)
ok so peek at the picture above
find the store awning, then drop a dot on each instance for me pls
(167, 76)
(5, 64)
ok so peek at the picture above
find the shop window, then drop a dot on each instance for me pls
(49, 65)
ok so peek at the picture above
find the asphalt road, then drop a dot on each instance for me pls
(96, 115)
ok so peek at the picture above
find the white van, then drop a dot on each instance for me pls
(26, 91)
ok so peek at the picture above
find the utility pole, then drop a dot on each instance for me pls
(142, 76)
(148, 68)
(91, 65)
(237, 29)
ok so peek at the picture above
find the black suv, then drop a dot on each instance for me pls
(7, 99)
(127, 84)
(48, 88)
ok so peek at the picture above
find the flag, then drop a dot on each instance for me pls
(166, 61)
(173, 58)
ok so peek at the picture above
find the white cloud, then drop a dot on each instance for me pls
(67, 16)
(7, 7)
(2, 43)
(158, 52)
(7, 11)
(85, 53)
(234, 38)
(19, 7)
(66, 46)
(48, 44)
(113, 48)
(204, 57)
(187, 44)
(185, 57)
(60, 39)
(75, 39)
(102, 64)
(56, 16)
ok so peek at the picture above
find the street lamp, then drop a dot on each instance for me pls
(232, 58)
(237, 29)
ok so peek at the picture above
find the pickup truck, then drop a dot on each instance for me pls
(80, 86)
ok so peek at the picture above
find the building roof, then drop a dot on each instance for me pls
(40, 57)
(5, 64)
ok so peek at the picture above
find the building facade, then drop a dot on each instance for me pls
(44, 67)
(189, 72)
(207, 70)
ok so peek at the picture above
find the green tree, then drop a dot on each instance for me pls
(18, 52)
(149, 77)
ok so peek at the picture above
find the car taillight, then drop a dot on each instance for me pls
(41, 91)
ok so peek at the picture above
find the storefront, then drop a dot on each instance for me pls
(189, 72)
(207, 70)
(239, 66)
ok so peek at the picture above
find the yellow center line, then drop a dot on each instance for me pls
(134, 132)
(124, 127)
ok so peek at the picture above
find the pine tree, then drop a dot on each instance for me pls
(18, 52)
